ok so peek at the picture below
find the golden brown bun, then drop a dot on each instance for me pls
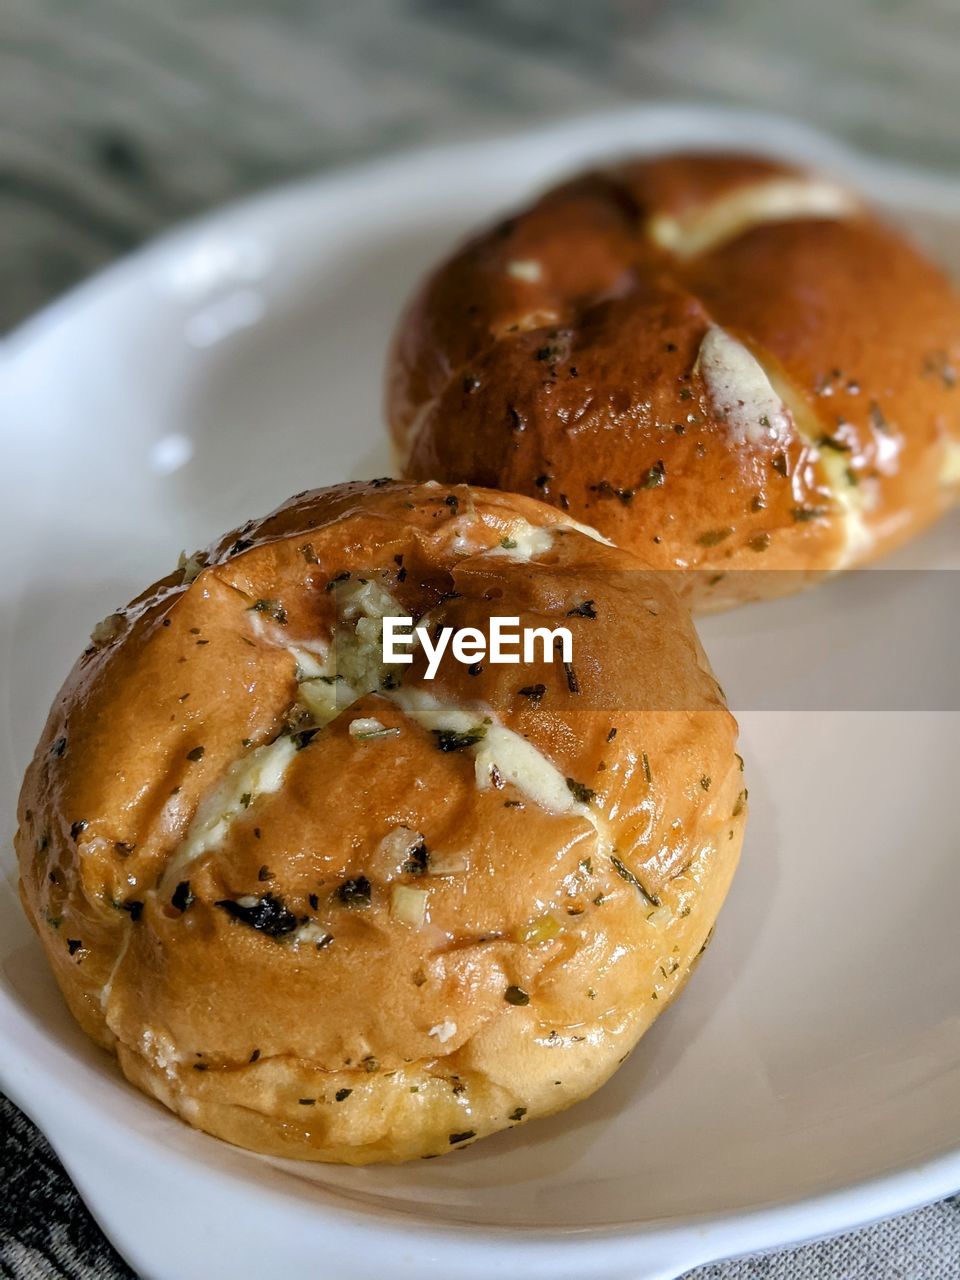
(720, 362)
(346, 948)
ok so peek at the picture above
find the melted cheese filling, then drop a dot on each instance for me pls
(260, 773)
(740, 389)
(730, 215)
(517, 760)
(950, 467)
(334, 677)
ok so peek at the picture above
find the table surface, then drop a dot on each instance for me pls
(120, 117)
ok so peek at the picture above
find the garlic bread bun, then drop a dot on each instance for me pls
(324, 908)
(723, 363)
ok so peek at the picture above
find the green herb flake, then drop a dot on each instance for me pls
(580, 791)
(272, 608)
(417, 860)
(626, 874)
(516, 996)
(182, 897)
(452, 740)
(355, 892)
(584, 610)
(342, 1094)
(268, 915)
(834, 443)
(655, 477)
(462, 1137)
(713, 537)
(517, 1114)
(878, 420)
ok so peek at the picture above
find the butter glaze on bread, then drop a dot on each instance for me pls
(720, 362)
(330, 911)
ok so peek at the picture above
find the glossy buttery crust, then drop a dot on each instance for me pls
(251, 939)
(720, 362)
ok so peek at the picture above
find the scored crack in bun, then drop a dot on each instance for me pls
(721, 362)
(324, 908)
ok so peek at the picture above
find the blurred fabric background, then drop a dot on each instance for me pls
(121, 117)
(118, 117)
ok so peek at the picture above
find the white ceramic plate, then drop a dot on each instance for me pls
(808, 1080)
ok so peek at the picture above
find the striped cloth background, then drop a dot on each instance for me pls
(119, 117)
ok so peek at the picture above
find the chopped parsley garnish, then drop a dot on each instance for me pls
(354, 892)
(342, 1094)
(654, 477)
(267, 915)
(580, 792)
(877, 418)
(462, 1137)
(625, 873)
(196, 753)
(584, 610)
(417, 860)
(516, 995)
(533, 691)
(182, 897)
(832, 442)
(451, 740)
(517, 1114)
(712, 537)
(273, 608)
